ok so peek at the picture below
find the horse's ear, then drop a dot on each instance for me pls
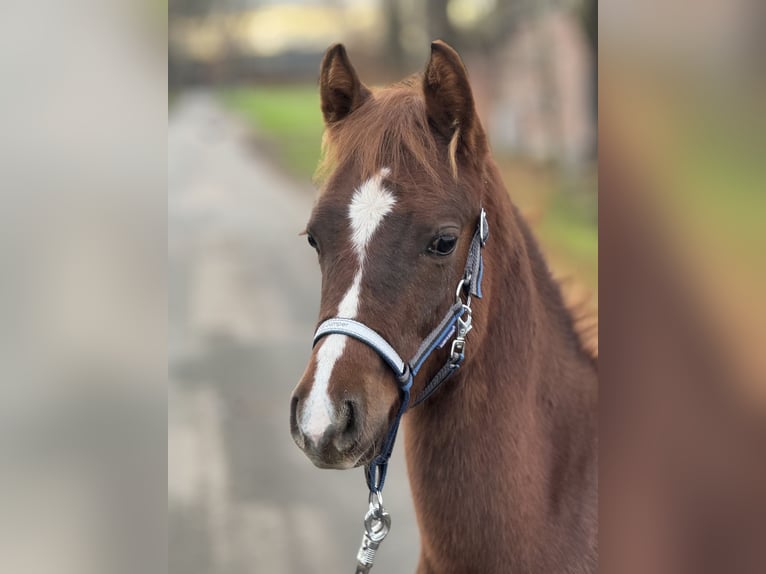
(340, 90)
(449, 100)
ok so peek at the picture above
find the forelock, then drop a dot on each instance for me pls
(389, 129)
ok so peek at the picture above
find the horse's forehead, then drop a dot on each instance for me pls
(358, 202)
(364, 204)
(370, 204)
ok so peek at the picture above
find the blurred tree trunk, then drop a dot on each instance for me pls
(590, 25)
(439, 26)
(394, 48)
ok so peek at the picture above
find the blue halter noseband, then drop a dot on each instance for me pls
(456, 322)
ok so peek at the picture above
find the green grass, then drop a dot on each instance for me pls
(287, 116)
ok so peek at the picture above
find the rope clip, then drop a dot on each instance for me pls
(377, 523)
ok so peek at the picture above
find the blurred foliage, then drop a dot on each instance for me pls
(569, 230)
(563, 210)
(562, 207)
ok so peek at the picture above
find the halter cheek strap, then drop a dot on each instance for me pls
(456, 323)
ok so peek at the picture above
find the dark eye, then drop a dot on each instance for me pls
(312, 241)
(442, 245)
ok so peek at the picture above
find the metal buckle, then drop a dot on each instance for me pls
(457, 352)
(464, 325)
(483, 227)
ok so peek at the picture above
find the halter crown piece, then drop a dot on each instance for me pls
(456, 323)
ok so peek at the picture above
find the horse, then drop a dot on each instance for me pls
(502, 459)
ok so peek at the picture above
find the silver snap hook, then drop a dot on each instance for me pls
(377, 524)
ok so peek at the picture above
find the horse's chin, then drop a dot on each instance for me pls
(354, 459)
(334, 465)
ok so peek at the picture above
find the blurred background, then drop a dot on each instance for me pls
(100, 333)
(244, 139)
(82, 286)
(682, 182)
(532, 67)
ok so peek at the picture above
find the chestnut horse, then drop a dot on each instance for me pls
(502, 459)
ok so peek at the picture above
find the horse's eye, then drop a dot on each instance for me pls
(442, 245)
(312, 241)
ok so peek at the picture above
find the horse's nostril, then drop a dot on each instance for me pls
(349, 426)
(350, 418)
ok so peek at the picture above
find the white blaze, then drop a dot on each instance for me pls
(370, 203)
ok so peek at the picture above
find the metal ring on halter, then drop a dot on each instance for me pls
(376, 501)
(377, 527)
(377, 522)
(458, 292)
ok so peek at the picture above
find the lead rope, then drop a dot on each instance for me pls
(457, 322)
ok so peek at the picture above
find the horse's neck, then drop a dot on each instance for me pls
(482, 453)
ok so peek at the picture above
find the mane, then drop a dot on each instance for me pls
(389, 129)
(573, 307)
(584, 318)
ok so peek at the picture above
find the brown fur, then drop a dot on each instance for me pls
(502, 459)
(389, 129)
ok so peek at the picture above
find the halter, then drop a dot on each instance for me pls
(456, 322)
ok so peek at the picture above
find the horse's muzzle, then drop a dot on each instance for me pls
(338, 444)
